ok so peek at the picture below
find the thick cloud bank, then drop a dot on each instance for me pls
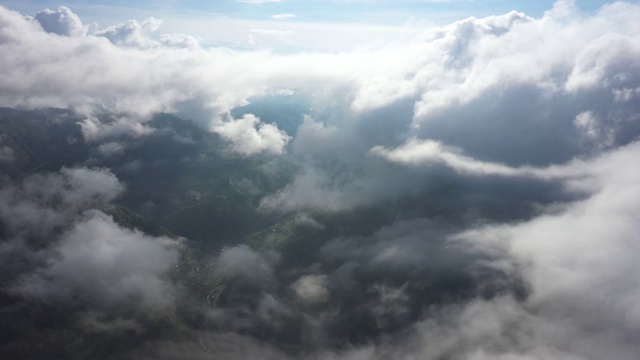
(566, 79)
(472, 194)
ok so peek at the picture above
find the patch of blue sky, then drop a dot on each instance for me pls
(318, 25)
(341, 11)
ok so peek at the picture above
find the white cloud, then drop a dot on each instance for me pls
(312, 189)
(580, 264)
(416, 152)
(476, 76)
(594, 130)
(82, 254)
(61, 21)
(283, 16)
(485, 102)
(179, 41)
(132, 33)
(107, 264)
(249, 136)
(311, 289)
(94, 130)
(24, 207)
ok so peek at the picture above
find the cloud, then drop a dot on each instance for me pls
(110, 149)
(132, 33)
(429, 151)
(106, 264)
(249, 136)
(454, 65)
(7, 154)
(477, 111)
(575, 261)
(61, 22)
(246, 265)
(119, 77)
(283, 16)
(311, 288)
(179, 41)
(43, 202)
(589, 232)
(58, 250)
(473, 191)
(308, 190)
(461, 86)
(95, 130)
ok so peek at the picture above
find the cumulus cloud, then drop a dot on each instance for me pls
(79, 187)
(61, 22)
(451, 66)
(55, 249)
(132, 33)
(249, 136)
(42, 202)
(58, 251)
(179, 41)
(118, 77)
(311, 288)
(95, 130)
(106, 264)
(477, 110)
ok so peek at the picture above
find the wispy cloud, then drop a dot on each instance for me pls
(283, 16)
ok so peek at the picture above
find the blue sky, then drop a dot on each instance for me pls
(380, 11)
(331, 25)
